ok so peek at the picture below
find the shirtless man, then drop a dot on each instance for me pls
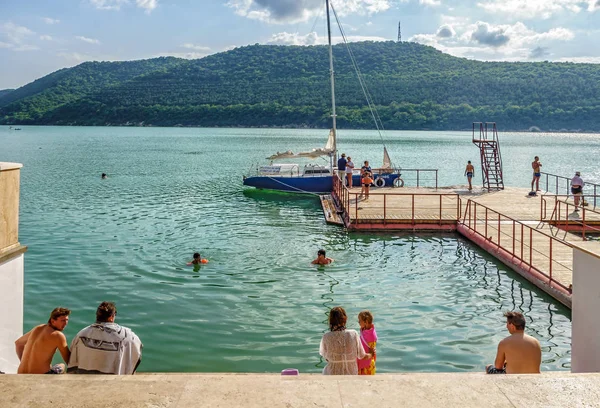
(36, 348)
(537, 172)
(469, 171)
(322, 258)
(517, 353)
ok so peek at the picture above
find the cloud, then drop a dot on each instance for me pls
(432, 3)
(445, 31)
(539, 52)
(533, 9)
(87, 40)
(49, 20)
(487, 35)
(580, 60)
(294, 11)
(195, 47)
(147, 5)
(484, 41)
(185, 55)
(14, 33)
(26, 47)
(108, 4)
(285, 38)
(45, 38)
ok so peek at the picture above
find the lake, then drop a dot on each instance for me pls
(259, 305)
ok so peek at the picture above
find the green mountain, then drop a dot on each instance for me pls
(5, 92)
(413, 87)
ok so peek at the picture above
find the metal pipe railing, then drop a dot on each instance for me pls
(494, 219)
(557, 183)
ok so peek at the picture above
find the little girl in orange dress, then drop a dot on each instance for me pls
(368, 339)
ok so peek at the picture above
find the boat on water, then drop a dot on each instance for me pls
(316, 178)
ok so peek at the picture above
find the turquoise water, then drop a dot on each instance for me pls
(259, 306)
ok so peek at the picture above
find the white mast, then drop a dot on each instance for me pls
(331, 73)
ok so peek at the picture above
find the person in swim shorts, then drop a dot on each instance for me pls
(36, 348)
(518, 353)
(537, 172)
(577, 188)
(469, 171)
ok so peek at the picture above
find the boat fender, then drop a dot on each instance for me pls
(379, 182)
(398, 182)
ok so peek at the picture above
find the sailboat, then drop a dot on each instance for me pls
(315, 178)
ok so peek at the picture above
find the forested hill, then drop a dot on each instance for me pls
(5, 91)
(413, 86)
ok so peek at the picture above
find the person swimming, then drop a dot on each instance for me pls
(321, 258)
(104, 176)
(197, 260)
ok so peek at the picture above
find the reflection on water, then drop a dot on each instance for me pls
(259, 305)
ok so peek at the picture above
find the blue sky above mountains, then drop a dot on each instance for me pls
(40, 36)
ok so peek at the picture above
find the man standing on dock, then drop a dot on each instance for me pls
(577, 188)
(469, 171)
(518, 353)
(342, 166)
(537, 172)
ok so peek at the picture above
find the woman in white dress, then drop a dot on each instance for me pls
(341, 347)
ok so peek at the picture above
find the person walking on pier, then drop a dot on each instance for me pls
(577, 189)
(469, 171)
(518, 353)
(36, 348)
(537, 172)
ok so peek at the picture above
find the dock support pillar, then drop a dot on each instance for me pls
(11, 266)
(585, 336)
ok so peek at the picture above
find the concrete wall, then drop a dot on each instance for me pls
(11, 305)
(11, 266)
(585, 338)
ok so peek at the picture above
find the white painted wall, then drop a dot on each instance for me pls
(11, 307)
(585, 337)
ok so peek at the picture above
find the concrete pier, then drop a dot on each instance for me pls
(469, 390)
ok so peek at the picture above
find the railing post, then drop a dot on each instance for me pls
(530, 247)
(547, 182)
(513, 237)
(436, 185)
(356, 208)
(583, 228)
(550, 260)
(417, 177)
(486, 222)
(499, 230)
(522, 238)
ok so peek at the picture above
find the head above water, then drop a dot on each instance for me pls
(106, 311)
(469, 162)
(104, 175)
(536, 158)
(321, 252)
(516, 319)
(196, 255)
(337, 319)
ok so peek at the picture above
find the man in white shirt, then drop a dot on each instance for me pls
(577, 188)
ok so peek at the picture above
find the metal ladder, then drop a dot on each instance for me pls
(489, 148)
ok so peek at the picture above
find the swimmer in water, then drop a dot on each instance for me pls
(104, 176)
(322, 258)
(197, 260)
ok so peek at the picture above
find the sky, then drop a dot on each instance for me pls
(38, 37)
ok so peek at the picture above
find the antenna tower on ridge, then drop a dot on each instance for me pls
(399, 33)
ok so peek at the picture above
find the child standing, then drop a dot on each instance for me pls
(366, 183)
(368, 339)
